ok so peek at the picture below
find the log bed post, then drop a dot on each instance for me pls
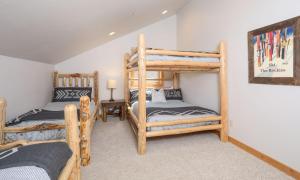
(71, 121)
(96, 95)
(2, 119)
(85, 130)
(55, 79)
(126, 75)
(142, 95)
(96, 87)
(176, 80)
(223, 94)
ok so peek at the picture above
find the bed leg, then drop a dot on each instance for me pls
(142, 142)
(223, 135)
(2, 119)
(72, 137)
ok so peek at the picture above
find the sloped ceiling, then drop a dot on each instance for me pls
(52, 31)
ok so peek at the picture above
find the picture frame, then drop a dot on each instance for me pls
(274, 53)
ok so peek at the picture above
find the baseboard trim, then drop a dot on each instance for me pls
(280, 166)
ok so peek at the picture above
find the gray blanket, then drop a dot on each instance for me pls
(52, 157)
(37, 115)
(189, 110)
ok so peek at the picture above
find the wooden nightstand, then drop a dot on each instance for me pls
(115, 105)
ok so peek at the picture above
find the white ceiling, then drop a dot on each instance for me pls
(51, 31)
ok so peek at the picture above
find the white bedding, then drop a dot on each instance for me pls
(24, 173)
(179, 58)
(171, 104)
(44, 135)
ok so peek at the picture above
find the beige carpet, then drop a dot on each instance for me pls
(189, 157)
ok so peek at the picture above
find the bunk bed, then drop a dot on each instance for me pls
(18, 160)
(141, 60)
(46, 128)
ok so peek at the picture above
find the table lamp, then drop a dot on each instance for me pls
(111, 84)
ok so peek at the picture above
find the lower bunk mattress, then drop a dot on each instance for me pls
(52, 113)
(172, 110)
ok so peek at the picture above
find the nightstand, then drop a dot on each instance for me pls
(116, 107)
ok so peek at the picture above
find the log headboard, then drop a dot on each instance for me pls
(78, 80)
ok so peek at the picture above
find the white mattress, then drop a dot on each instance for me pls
(179, 58)
(44, 135)
(171, 104)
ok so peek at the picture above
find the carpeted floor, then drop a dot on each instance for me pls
(188, 157)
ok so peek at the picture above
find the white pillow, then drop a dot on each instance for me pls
(158, 96)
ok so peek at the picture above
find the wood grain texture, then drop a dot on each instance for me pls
(72, 138)
(183, 130)
(126, 78)
(2, 119)
(176, 82)
(142, 96)
(96, 87)
(182, 53)
(134, 118)
(72, 80)
(223, 94)
(280, 166)
(85, 130)
(40, 127)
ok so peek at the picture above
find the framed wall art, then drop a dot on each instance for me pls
(274, 53)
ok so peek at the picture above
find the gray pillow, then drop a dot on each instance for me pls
(173, 94)
(134, 95)
(66, 94)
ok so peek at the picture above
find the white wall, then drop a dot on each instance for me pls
(108, 58)
(265, 117)
(25, 84)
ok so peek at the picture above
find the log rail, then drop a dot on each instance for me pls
(71, 171)
(136, 61)
(87, 118)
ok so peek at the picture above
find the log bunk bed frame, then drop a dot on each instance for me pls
(71, 171)
(135, 61)
(86, 119)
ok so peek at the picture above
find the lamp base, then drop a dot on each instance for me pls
(111, 95)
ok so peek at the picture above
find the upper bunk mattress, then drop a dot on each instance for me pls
(53, 107)
(174, 110)
(179, 58)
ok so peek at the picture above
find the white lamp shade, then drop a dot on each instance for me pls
(111, 84)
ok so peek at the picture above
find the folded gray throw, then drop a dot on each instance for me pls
(52, 157)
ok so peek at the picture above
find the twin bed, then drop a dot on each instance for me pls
(49, 159)
(48, 123)
(152, 119)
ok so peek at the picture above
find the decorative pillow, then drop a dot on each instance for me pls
(158, 95)
(173, 94)
(65, 94)
(134, 95)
